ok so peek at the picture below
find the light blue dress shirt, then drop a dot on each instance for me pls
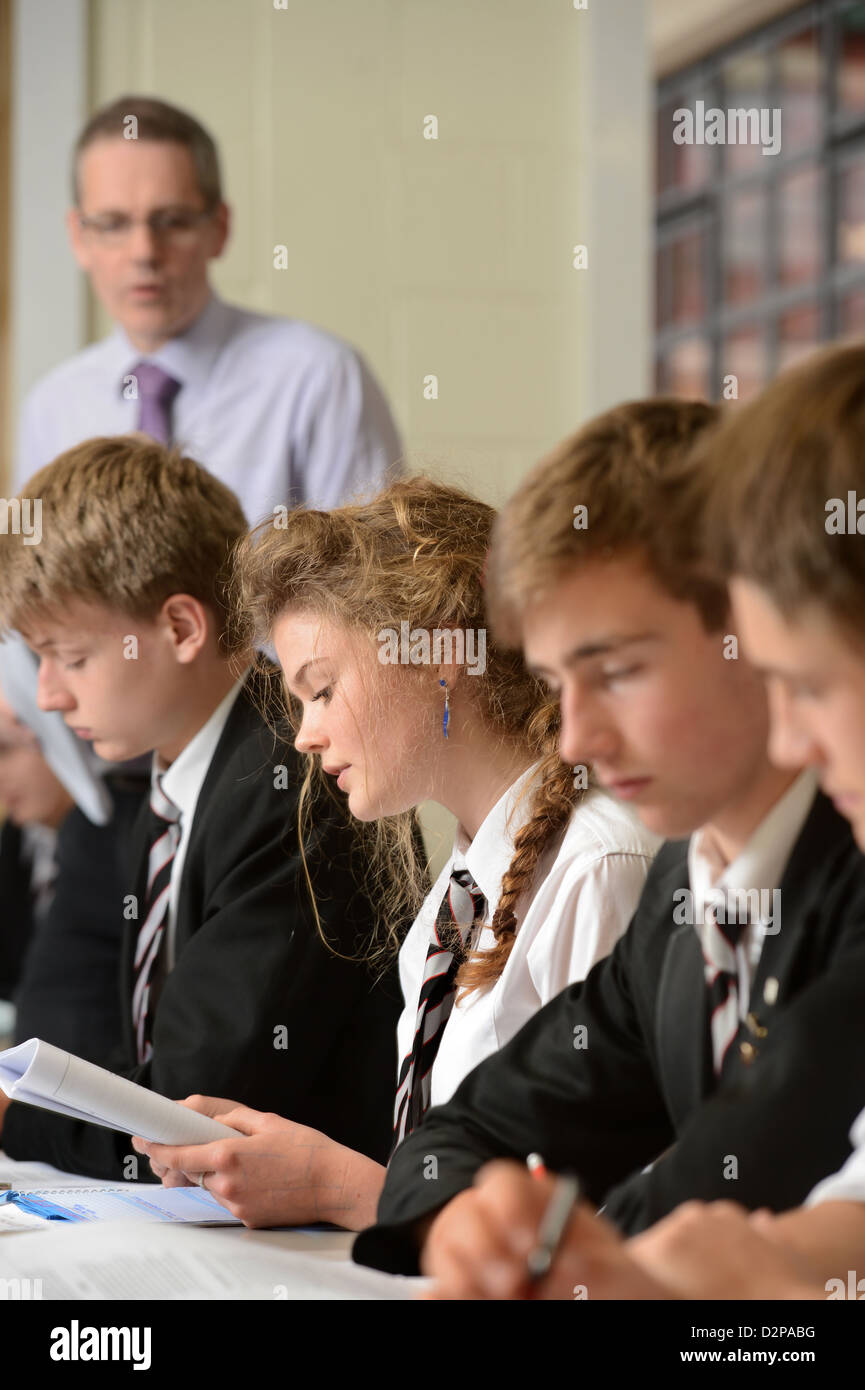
(282, 412)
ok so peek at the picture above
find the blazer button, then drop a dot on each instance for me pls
(747, 1051)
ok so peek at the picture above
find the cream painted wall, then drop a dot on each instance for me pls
(445, 256)
(452, 256)
(448, 256)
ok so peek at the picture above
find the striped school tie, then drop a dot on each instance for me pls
(462, 908)
(165, 837)
(719, 941)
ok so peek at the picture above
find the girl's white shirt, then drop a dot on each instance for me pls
(586, 887)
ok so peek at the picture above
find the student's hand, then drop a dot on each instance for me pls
(275, 1173)
(5, 1102)
(478, 1246)
(213, 1106)
(716, 1250)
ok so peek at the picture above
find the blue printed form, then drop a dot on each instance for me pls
(135, 1202)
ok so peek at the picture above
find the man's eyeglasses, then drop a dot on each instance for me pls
(166, 224)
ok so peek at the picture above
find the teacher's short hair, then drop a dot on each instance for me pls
(152, 119)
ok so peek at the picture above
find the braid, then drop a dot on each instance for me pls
(554, 799)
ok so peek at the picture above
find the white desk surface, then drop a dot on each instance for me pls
(313, 1250)
(326, 1244)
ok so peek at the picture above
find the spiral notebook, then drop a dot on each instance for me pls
(135, 1201)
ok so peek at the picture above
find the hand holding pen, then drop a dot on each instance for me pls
(513, 1236)
(554, 1223)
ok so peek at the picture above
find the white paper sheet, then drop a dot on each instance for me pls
(173, 1263)
(30, 1177)
(40, 1074)
(14, 1220)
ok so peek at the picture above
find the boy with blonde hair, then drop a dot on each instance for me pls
(235, 978)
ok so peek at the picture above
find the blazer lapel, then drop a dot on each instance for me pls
(773, 979)
(244, 716)
(784, 954)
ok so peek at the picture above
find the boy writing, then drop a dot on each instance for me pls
(692, 1047)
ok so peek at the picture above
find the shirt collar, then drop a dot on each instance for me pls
(761, 862)
(183, 779)
(190, 356)
(488, 855)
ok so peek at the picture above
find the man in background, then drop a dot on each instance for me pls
(280, 411)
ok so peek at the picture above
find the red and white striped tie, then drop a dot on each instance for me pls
(462, 909)
(165, 837)
(719, 942)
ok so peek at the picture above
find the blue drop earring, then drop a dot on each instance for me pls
(447, 714)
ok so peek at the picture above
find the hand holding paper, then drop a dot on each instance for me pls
(274, 1172)
(40, 1074)
(5, 1102)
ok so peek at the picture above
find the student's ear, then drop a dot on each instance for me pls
(188, 625)
(77, 239)
(221, 229)
(452, 673)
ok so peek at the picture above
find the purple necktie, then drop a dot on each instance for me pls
(156, 392)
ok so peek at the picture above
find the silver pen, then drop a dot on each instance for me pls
(554, 1223)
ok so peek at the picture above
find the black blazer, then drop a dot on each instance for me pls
(16, 908)
(67, 993)
(643, 1084)
(257, 1009)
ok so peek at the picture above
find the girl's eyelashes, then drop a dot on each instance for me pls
(324, 694)
(75, 665)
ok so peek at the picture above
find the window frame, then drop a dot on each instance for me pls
(840, 138)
